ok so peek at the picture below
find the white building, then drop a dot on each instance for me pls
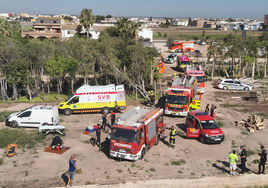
(146, 33)
(255, 25)
(180, 23)
(68, 30)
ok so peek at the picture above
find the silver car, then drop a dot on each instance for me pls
(234, 84)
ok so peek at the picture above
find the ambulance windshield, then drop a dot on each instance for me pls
(176, 99)
(209, 124)
(124, 135)
(185, 62)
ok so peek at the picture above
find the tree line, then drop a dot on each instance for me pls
(30, 65)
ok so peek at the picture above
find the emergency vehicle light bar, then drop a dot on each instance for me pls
(201, 114)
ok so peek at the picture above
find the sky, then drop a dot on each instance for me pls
(140, 8)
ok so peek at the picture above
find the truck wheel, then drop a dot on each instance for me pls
(188, 50)
(142, 154)
(67, 112)
(14, 124)
(225, 88)
(44, 124)
(202, 139)
(106, 110)
(177, 51)
(157, 140)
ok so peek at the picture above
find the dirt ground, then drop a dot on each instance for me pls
(35, 168)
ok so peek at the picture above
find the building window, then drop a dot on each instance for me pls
(54, 21)
(68, 32)
(41, 21)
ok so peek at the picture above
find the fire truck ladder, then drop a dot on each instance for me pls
(147, 115)
(190, 82)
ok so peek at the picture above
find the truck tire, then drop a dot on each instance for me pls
(14, 124)
(202, 139)
(106, 110)
(44, 124)
(142, 153)
(157, 140)
(67, 112)
(188, 50)
(177, 51)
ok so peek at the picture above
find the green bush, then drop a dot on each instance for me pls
(21, 137)
(178, 163)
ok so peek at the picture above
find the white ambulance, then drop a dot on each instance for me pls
(95, 99)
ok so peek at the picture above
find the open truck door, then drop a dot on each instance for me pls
(196, 101)
(120, 97)
(192, 133)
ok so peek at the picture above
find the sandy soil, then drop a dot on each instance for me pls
(35, 168)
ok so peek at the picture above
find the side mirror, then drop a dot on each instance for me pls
(166, 100)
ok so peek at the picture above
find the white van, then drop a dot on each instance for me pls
(34, 116)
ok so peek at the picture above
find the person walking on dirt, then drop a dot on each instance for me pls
(233, 159)
(207, 109)
(243, 157)
(112, 116)
(104, 120)
(212, 110)
(72, 167)
(98, 135)
(263, 160)
(172, 135)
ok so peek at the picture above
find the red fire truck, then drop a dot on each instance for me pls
(201, 79)
(201, 125)
(136, 132)
(182, 97)
(181, 46)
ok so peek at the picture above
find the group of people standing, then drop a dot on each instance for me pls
(243, 156)
(212, 111)
(150, 98)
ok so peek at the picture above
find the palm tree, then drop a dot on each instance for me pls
(127, 28)
(87, 19)
(5, 28)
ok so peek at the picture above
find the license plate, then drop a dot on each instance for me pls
(175, 113)
(199, 90)
(217, 139)
(122, 150)
(121, 156)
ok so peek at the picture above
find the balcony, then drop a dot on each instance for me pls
(41, 34)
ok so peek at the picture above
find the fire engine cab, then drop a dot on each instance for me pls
(136, 132)
(182, 97)
(201, 125)
(200, 75)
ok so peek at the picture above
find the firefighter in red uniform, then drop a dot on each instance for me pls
(112, 116)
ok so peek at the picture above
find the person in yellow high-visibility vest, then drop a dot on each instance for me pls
(172, 135)
(233, 159)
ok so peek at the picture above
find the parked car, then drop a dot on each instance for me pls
(202, 43)
(34, 116)
(171, 58)
(234, 84)
(201, 125)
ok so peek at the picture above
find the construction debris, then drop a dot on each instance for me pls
(254, 123)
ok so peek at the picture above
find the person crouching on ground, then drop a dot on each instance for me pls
(233, 160)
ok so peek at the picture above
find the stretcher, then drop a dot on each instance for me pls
(47, 129)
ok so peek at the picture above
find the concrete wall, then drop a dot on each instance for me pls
(95, 34)
(68, 33)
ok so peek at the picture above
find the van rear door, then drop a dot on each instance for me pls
(120, 97)
(55, 116)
